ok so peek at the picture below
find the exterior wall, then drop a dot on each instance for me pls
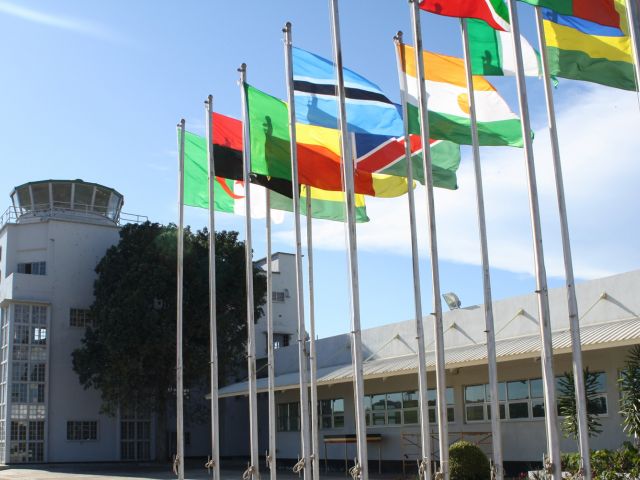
(285, 314)
(71, 250)
(234, 418)
(523, 440)
(600, 302)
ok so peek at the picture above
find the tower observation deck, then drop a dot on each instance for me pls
(74, 200)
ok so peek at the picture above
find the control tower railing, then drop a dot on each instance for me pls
(10, 215)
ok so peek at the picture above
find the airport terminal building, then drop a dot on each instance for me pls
(610, 325)
(55, 233)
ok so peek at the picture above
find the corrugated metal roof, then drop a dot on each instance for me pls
(592, 337)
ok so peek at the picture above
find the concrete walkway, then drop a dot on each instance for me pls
(137, 472)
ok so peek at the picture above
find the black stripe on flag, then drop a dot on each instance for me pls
(330, 90)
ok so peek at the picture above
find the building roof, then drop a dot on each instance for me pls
(595, 336)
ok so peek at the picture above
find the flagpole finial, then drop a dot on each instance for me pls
(398, 36)
(242, 67)
(209, 100)
(181, 123)
(287, 27)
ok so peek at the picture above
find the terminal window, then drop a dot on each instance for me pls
(80, 317)
(82, 430)
(33, 268)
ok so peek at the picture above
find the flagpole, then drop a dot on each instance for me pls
(179, 459)
(443, 427)
(253, 469)
(496, 429)
(632, 18)
(425, 444)
(544, 318)
(304, 462)
(271, 453)
(213, 334)
(361, 469)
(574, 320)
(313, 361)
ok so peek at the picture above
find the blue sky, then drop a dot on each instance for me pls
(94, 89)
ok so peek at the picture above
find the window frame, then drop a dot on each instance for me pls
(80, 427)
(332, 414)
(288, 417)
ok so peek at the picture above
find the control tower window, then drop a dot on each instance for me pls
(33, 268)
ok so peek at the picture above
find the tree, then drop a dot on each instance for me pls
(629, 383)
(129, 353)
(567, 406)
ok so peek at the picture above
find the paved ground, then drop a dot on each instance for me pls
(129, 472)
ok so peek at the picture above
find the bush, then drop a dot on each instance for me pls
(468, 462)
(607, 464)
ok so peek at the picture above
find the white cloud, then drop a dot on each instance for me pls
(58, 21)
(600, 166)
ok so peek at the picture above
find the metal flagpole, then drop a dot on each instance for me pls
(361, 468)
(425, 462)
(304, 462)
(271, 454)
(313, 361)
(214, 462)
(632, 18)
(496, 429)
(179, 458)
(574, 320)
(253, 470)
(443, 427)
(544, 316)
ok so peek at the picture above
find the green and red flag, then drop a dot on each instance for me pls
(602, 12)
(494, 12)
(229, 193)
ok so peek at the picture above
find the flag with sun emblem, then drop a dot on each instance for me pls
(448, 102)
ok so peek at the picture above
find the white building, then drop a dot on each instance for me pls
(51, 240)
(609, 320)
(234, 418)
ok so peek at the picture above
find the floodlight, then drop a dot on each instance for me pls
(453, 302)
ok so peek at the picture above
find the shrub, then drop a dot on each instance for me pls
(608, 464)
(568, 408)
(630, 395)
(468, 462)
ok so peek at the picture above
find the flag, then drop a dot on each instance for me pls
(319, 160)
(492, 54)
(602, 12)
(388, 155)
(227, 151)
(229, 193)
(325, 205)
(494, 12)
(448, 102)
(314, 83)
(589, 52)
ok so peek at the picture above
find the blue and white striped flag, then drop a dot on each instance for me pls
(368, 109)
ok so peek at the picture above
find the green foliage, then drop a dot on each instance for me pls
(607, 464)
(629, 383)
(567, 404)
(129, 354)
(468, 462)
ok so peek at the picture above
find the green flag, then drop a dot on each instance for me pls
(492, 54)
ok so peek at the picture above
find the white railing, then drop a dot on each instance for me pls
(10, 215)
